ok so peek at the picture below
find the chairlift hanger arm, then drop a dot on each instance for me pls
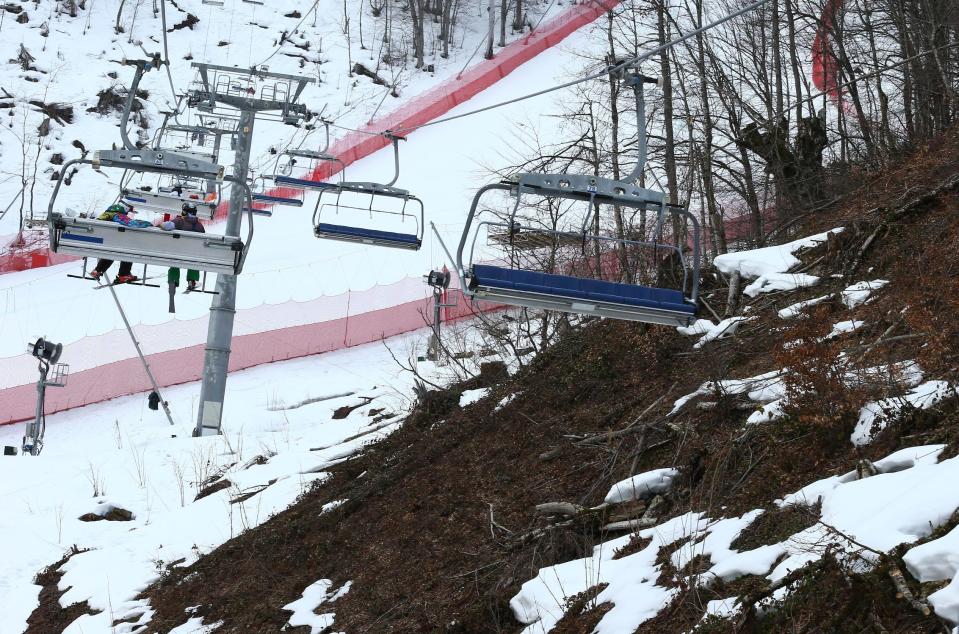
(63, 172)
(249, 207)
(637, 81)
(143, 65)
(460, 269)
(396, 155)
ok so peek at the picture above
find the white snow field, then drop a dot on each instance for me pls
(287, 266)
(120, 454)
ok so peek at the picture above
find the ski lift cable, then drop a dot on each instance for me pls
(620, 66)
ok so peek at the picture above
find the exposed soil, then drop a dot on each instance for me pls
(49, 617)
(776, 524)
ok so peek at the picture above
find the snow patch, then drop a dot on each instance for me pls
(506, 400)
(794, 310)
(874, 416)
(860, 292)
(195, 626)
(843, 327)
(632, 589)
(762, 388)
(315, 595)
(641, 486)
(725, 328)
(471, 396)
(768, 266)
(698, 327)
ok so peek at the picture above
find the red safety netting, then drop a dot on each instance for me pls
(825, 66)
(174, 367)
(28, 250)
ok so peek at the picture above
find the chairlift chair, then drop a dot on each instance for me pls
(88, 237)
(265, 199)
(572, 269)
(371, 213)
(170, 195)
(289, 167)
(577, 271)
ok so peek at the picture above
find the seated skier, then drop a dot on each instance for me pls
(120, 213)
(186, 221)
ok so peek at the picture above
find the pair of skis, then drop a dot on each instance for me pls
(137, 282)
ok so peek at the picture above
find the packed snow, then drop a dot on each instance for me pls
(471, 396)
(642, 486)
(875, 416)
(315, 595)
(794, 310)
(120, 454)
(768, 267)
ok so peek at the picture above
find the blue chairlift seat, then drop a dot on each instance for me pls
(277, 200)
(579, 295)
(300, 183)
(368, 236)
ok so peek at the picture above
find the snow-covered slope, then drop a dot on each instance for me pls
(279, 437)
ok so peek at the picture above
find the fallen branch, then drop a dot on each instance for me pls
(559, 508)
(901, 211)
(905, 593)
(631, 525)
(710, 405)
(748, 601)
(596, 438)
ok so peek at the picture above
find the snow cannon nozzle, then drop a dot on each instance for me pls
(438, 279)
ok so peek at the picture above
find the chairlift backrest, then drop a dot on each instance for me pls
(577, 271)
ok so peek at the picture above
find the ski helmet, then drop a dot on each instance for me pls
(189, 209)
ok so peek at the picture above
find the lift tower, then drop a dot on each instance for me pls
(251, 92)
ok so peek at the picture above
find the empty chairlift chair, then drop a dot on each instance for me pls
(88, 237)
(295, 167)
(614, 260)
(171, 193)
(371, 213)
(285, 197)
(596, 273)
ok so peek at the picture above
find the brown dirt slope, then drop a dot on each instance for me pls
(440, 529)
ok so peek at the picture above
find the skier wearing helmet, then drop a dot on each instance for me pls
(186, 221)
(120, 213)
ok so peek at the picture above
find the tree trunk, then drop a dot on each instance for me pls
(503, 12)
(492, 27)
